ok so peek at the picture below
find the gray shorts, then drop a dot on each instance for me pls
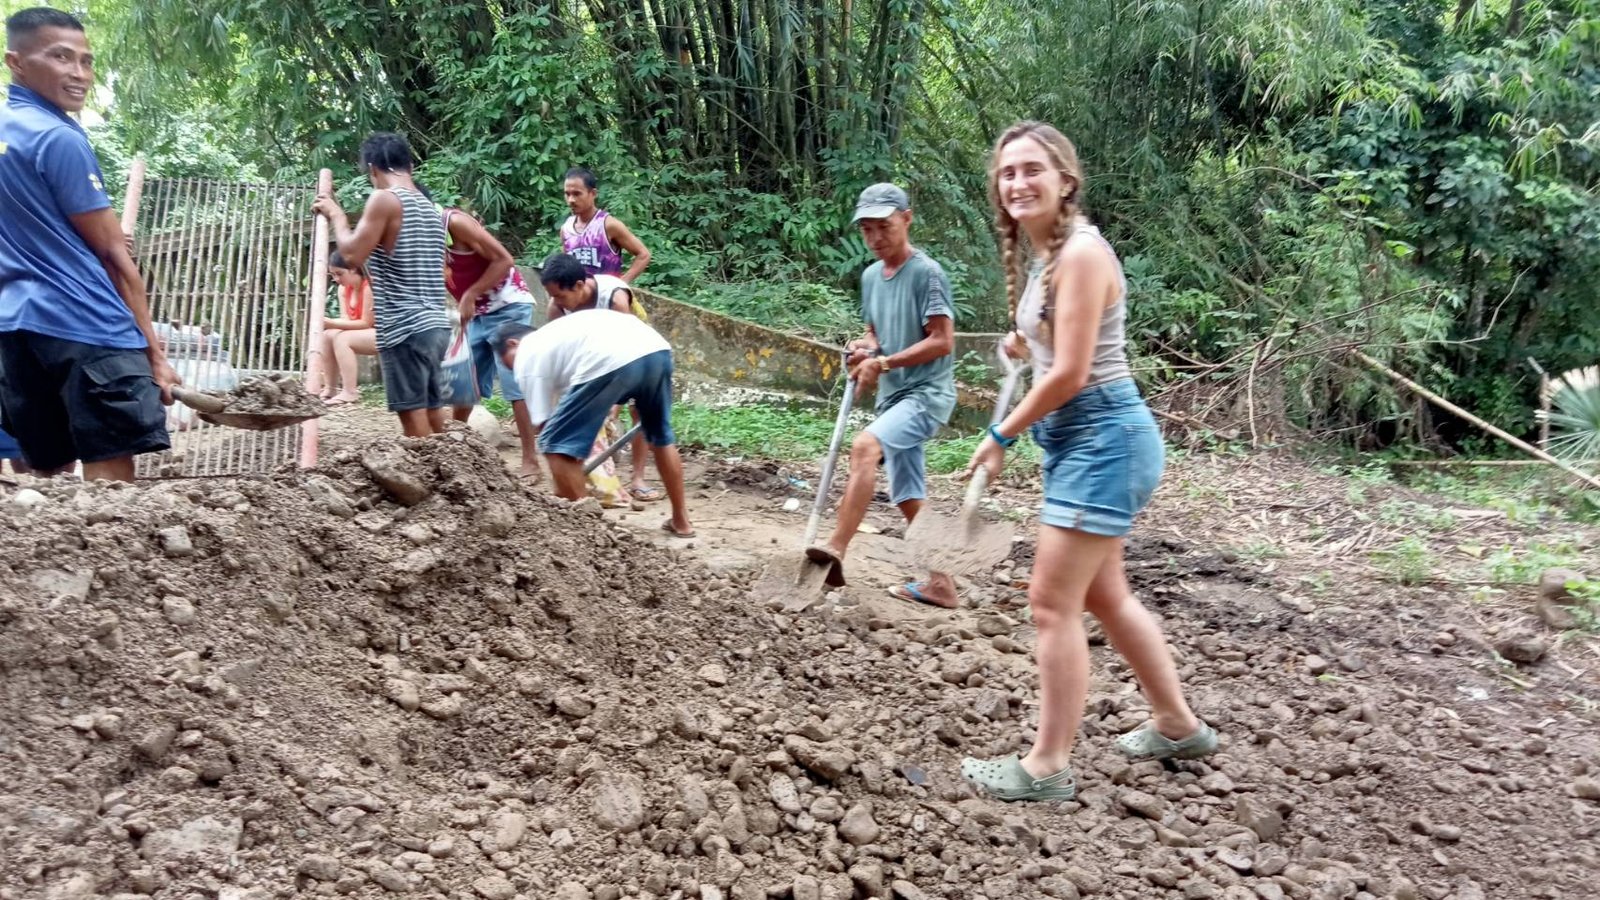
(413, 377)
(902, 430)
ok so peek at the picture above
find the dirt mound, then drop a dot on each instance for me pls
(402, 674)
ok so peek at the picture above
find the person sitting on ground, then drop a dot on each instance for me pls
(348, 336)
(400, 240)
(594, 236)
(1102, 461)
(489, 292)
(906, 356)
(572, 287)
(85, 373)
(573, 371)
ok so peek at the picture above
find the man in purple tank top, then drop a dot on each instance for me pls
(593, 236)
(596, 239)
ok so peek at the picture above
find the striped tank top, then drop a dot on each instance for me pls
(408, 282)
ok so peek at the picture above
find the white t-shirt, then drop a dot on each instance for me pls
(576, 348)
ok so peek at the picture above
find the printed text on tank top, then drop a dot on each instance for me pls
(589, 244)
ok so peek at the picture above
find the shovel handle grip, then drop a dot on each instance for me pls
(198, 401)
(975, 488)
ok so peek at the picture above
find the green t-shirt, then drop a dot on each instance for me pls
(898, 309)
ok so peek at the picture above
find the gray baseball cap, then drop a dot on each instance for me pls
(880, 202)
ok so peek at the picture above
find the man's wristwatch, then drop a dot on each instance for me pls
(1002, 440)
(884, 364)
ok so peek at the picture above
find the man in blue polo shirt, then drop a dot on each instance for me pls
(82, 376)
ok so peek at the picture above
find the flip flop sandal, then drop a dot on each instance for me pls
(646, 494)
(1006, 779)
(341, 401)
(1145, 742)
(913, 592)
(667, 527)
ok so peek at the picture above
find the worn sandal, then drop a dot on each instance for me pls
(916, 593)
(1145, 742)
(1006, 779)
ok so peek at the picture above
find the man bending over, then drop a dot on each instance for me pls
(573, 371)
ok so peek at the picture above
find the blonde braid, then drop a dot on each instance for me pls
(1058, 239)
(1006, 227)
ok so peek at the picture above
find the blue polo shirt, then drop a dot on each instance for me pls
(50, 281)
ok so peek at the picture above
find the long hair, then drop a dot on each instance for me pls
(1014, 245)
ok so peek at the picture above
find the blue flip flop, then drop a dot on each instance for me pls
(913, 591)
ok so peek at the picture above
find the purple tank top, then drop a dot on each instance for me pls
(590, 246)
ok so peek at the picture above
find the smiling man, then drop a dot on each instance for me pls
(82, 375)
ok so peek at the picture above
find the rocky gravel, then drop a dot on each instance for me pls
(404, 675)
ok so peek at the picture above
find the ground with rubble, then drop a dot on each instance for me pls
(407, 674)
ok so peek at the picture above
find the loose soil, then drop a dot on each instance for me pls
(277, 395)
(404, 673)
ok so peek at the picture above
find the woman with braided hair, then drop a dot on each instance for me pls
(1102, 459)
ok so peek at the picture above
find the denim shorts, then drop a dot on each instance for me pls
(413, 371)
(1103, 458)
(486, 363)
(578, 418)
(902, 431)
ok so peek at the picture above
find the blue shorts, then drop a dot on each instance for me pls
(902, 430)
(8, 447)
(485, 362)
(1103, 458)
(578, 418)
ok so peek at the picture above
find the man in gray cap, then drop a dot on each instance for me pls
(906, 356)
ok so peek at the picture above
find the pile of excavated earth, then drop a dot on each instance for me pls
(282, 395)
(403, 674)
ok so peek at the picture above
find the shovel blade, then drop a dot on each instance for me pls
(253, 421)
(956, 545)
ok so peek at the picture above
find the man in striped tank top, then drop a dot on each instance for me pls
(401, 240)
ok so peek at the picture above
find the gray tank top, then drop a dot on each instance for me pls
(408, 293)
(1110, 347)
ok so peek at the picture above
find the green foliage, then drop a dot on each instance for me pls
(1408, 562)
(949, 455)
(813, 310)
(1524, 565)
(974, 368)
(1587, 608)
(1575, 415)
(1413, 177)
(765, 432)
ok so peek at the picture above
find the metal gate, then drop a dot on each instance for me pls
(233, 293)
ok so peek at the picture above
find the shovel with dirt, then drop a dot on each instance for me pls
(966, 542)
(263, 403)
